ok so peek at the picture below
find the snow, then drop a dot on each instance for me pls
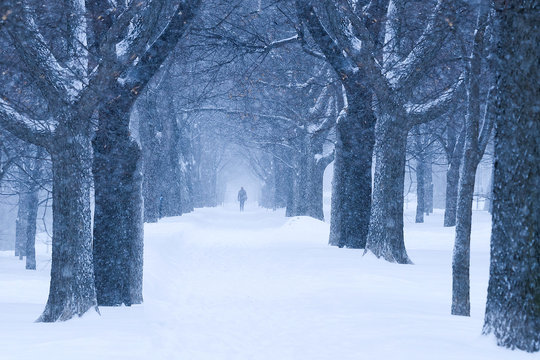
(220, 284)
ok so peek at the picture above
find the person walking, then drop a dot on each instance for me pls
(242, 197)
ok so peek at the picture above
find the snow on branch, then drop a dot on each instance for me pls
(22, 127)
(410, 68)
(419, 113)
(53, 79)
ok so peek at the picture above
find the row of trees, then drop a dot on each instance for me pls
(83, 66)
(296, 85)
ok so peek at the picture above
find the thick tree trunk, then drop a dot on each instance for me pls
(280, 183)
(513, 299)
(315, 205)
(385, 238)
(301, 182)
(351, 186)
(72, 289)
(118, 233)
(308, 181)
(288, 176)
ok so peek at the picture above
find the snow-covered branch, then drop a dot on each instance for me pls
(22, 127)
(418, 113)
(53, 79)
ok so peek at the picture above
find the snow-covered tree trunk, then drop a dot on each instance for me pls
(351, 185)
(72, 289)
(118, 236)
(472, 154)
(513, 299)
(385, 238)
(461, 256)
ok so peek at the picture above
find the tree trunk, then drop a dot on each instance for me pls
(420, 191)
(280, 183)
(21, 225)
(351, 186)
(118, 233)
(288, 175)
(32, 209)
(513, 298)
(488, 203)
(471, 156)
(420, 178)
(315, 205)
(452, 183)
(385, 238)
(72, 289)
(301, 182)
(428, 183)
(461, 257)
(308, 181)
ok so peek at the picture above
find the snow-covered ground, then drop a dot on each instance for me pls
(220, 284)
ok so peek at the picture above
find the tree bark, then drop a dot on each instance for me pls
(351, 186)
(21, 225)
(308, 180)
(420, 178)
(118, 233)
(513, 298)
(461, 257)
(452, 183)
(471, 157)
(385, 238)
(428, 184)
(72, 289)
(32, 209)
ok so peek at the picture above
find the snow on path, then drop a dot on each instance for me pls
(220, 284)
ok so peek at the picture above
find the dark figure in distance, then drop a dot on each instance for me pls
(242, 197)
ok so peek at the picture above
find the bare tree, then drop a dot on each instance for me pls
(475, 144)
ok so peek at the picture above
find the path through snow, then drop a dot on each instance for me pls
(220, 284)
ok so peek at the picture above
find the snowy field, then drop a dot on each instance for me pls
(220, 284)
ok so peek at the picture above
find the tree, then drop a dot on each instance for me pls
(513, 299)
(351, 193)
(475, 145)
(78, 85)
(351, 39)
(453, 143)
(29, 182)
(118, 233)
